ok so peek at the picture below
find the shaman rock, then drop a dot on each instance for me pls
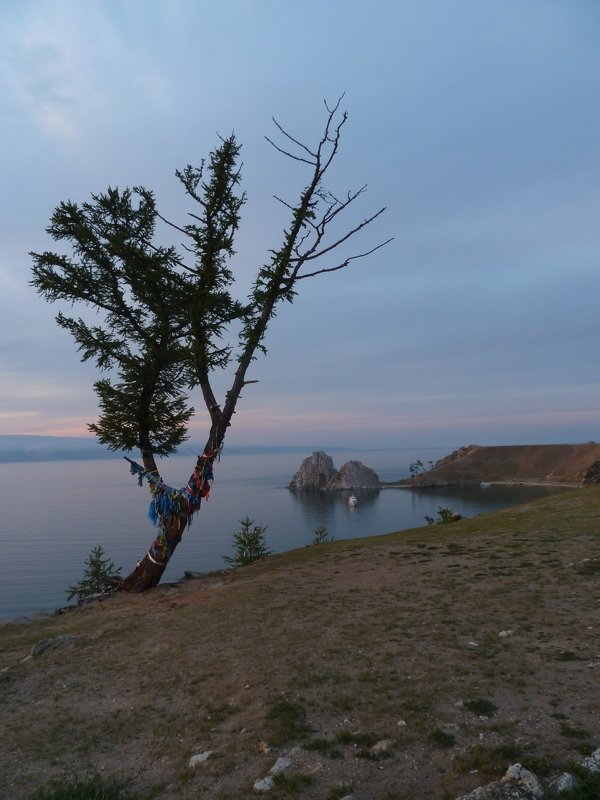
(354, 475)
(316, 472)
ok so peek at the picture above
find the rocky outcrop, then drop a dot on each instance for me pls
(354, 474)
(522, 784)
(318, 472)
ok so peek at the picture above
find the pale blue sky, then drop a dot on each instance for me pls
(476, 123)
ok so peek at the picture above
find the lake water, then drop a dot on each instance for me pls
(54, 513)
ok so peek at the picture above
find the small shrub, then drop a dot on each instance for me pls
(321, 536)
(444, 516)
(481, 706)
(100, 576)
(442, 739)
(249, 544)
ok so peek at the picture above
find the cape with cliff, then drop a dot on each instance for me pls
(568, 464)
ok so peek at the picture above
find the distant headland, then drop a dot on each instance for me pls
(567, 464)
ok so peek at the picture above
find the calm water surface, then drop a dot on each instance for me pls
(54, 513)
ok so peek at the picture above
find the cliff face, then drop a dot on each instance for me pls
(317, 472)
(544, 463)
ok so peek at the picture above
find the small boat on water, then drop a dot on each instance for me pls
(352, 500)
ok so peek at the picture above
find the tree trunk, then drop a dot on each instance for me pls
(172, 519)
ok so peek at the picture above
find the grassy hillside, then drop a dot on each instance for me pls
(541, 463)
(465, 646)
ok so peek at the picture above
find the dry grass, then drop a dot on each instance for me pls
(323, 652)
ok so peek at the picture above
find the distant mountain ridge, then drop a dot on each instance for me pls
(25, 448)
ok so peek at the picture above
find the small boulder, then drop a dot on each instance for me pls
(266, 784)
(592, 762)
(52, 644)
(525, 779)
(199, 758)
(564, 783)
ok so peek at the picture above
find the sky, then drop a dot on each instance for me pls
(476, 124)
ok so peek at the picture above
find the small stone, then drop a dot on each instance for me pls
(473, 644)
(264, 785)
(401, 723)
(282, 763)
(504, 634)
(525, 779)
(199, 758)
(564, 783)
(383, 746)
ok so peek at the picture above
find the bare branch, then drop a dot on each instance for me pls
(172, 224)
(364, 223)
(344, 263)
(295, 141)
(283, 203)
(289, 155)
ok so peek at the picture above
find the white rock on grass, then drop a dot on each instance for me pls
(266, 784)
(525, 779)
(564, 782)
(383, 746)
(199, 758)
(592, 762)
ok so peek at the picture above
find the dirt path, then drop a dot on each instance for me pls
(465, 647)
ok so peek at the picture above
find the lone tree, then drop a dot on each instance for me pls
(163, 314)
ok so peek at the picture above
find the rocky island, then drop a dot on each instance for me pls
(318, 472)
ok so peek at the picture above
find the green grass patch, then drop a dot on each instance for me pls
(588, 787)
(442, 739)
(287, 722)
(589, 568)
(339, 790)
(93, 787)
(323, 746)
(486, 759)
(349, 737)
(290, 784)
(566, 655)
(481, 706)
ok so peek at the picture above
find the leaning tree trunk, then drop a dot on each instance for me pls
(172, 510)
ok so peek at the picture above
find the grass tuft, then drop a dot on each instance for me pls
(481, 706)
(287, 722)
(486, 759)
